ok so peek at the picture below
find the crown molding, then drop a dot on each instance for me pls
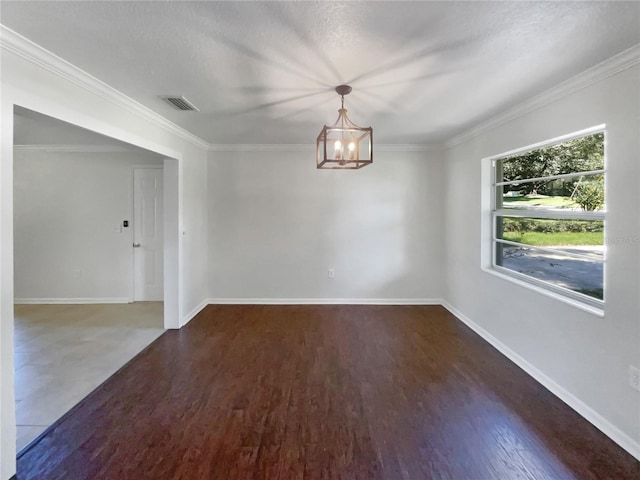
(405, 147)
(310, 148)
(280, 147)
(23, 47)
(616, 64)
(74, 148)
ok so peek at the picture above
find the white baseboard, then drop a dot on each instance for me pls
(325, 301)
(70, 301)
(189, 316)
(593, 417)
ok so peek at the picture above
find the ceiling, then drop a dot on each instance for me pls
(265, 72)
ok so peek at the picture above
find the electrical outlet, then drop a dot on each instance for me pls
(634, 377)
(331, 273)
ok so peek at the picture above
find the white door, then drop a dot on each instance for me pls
(147, 234)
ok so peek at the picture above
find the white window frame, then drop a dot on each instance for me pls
(580, 300)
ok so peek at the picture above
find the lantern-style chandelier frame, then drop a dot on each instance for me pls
(344, 145)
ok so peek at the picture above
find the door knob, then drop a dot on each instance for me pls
(136, 245)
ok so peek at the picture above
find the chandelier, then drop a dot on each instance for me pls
(344, 145)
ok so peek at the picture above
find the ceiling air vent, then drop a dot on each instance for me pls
(180, 103)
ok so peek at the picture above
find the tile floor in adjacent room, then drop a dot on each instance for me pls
(63, 352)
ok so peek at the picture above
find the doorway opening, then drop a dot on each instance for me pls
(87, 300)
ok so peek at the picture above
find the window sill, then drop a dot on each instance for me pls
(594, 310)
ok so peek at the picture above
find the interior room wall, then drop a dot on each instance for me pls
(69, 243)
(7, 397)
(277, 225)
(193, 276)
(583, 357)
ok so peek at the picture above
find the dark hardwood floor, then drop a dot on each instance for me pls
(323, 392)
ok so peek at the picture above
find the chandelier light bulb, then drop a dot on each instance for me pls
(338, 150)
(352, 150)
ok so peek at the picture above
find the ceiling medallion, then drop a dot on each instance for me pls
(344, 145)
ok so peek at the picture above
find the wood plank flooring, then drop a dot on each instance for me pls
(323, 392)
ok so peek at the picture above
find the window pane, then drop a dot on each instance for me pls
(588, 235)
(582, 154)
(582, 275)
(583, 193)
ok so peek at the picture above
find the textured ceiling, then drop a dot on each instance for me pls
(264, 72)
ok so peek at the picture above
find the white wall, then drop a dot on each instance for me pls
(583, 357)
(193, 275)
(277, 224)
(32, 79)
(68, 213)
(7, 397)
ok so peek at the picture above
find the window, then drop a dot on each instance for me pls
(548, 216)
